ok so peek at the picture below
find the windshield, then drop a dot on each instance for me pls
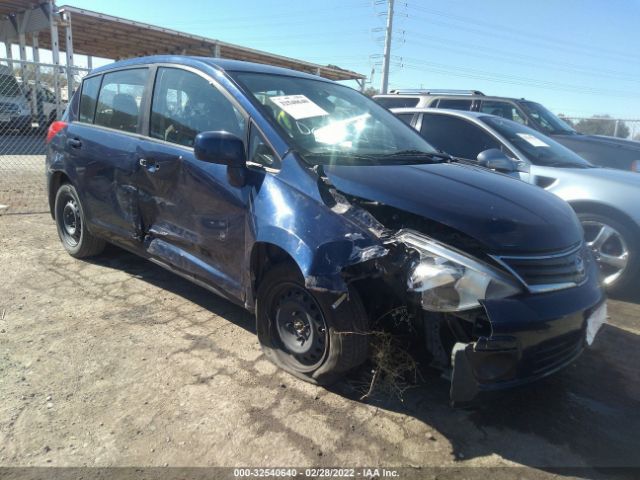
(9, 86)
(546, 120)
(330, 123)
(538, 148)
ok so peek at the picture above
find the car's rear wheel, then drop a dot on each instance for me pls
(316, 336)
(71, 224)
(615, 249)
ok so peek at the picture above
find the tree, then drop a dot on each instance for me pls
(370, 91)
(566, 120)
(603, 125)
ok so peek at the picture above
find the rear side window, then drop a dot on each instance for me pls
(501, 109)
(455, 104)
(88, 99)
(9, 86)
(185, 104)
(456, 136)
(397, 102)
(405, 117)
(120, 99)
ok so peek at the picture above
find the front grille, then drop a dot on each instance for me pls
(553, 353)
(549, 272)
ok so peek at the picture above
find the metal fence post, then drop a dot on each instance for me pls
(69, 51)
(55, 55)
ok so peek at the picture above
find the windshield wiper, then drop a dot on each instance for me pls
(418, 153)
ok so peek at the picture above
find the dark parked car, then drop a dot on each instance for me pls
(605, 200)
(599, 150)
(312, 206)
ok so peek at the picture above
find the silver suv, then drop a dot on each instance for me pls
(599, 150)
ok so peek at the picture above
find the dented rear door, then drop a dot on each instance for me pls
(104, 155)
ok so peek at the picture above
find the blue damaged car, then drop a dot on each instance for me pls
(310, 205)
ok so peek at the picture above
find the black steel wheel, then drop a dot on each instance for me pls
(71, 225)
(316, 336)
(300, 326)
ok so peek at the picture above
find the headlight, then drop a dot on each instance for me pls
(450, 280)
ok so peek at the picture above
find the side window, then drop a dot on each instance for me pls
(120, 98)
(88, 98)
(405, 117)
(260, 152)
(502, 109)
(456, 136)
(185, 104)
(401, 102)
(455, 104)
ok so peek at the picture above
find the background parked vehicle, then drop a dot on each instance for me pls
(599, 150)
(15, 112)
(605, 200)
(45, 111)
(271, 188)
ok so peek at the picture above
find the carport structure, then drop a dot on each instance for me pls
(100, 35)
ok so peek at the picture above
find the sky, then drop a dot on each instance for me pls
(577, 57)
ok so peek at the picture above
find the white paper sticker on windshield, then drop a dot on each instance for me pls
(298, 106)
(532, 139)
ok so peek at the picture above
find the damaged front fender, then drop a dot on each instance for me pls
(296, 221)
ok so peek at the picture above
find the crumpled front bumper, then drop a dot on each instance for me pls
(532, 336)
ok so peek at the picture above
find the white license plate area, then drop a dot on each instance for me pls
(595, 321)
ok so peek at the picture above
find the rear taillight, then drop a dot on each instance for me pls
(54, 128)
(635, 166)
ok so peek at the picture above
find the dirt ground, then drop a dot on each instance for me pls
(115, 362)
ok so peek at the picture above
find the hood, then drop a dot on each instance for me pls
(501, 213)
(610, 146)
(617, 177)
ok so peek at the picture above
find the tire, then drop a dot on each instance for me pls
(71, 225)
(619, 238)
(334, 341)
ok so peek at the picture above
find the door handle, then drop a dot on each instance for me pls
(74, 143)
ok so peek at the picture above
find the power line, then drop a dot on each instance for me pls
(416, 64)
(496, 29)
(502, 55)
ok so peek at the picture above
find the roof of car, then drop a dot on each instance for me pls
(448, 111)
(445, 95)
(218, 63)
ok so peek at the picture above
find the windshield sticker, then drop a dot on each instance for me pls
(298, 106)
(532, 140)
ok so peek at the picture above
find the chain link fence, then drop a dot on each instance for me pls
(604, 125)
(32, 96)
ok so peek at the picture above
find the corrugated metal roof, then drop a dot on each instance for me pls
(108, 36)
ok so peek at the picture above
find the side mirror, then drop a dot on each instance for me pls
(222, 148)
(495, 159)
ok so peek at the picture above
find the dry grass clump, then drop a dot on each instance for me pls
(394, 369)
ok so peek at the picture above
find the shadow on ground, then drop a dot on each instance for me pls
(590, 409)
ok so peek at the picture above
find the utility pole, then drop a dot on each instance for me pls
(387, 48)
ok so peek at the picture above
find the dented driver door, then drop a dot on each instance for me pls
(192, 219)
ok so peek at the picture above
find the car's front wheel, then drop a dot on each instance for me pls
(316, 336)
(71, 224)
(615, 249)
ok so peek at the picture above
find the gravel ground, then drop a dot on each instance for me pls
(115, 362)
